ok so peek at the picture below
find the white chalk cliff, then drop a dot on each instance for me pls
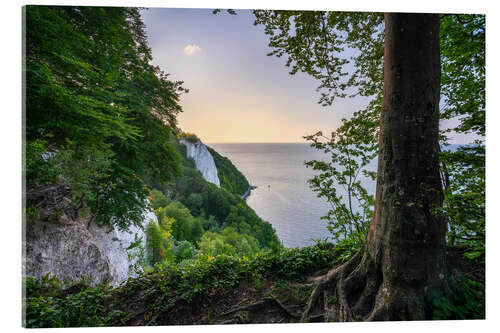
(203, 160)
(114, 245)
(72, 250)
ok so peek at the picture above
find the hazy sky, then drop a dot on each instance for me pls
(237, 93)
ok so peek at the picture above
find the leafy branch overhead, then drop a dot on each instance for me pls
(92, 93)
(341, 50)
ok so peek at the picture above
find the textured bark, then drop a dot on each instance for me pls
(404, 256)
(407, 235)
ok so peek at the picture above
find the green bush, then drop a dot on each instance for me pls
(168, 286)
(191, 137)
(184, 226)
(159, 243)
(47, 304)
(466, 301)
(184, 250)
(244, 219)
(158, 199)
(229, 242)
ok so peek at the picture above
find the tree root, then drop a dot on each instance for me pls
(317, 317)
(290, 312)
(364, 288)
(259, 304)
(249, 307)
(152, 319)
(322, 282)
(325, 305)
(355, 291)
(229, 322)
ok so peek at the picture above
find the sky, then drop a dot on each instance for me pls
(237, 92)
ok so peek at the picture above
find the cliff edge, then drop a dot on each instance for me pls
(203, 160)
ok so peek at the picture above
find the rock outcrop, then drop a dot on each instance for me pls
(61, 243)
(67, 251)
(114, 243)
(203, 160)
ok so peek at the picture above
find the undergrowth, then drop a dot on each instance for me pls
(165, 288)
(466, 301)
(174, 292)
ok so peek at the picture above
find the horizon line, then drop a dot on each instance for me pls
(253, 142)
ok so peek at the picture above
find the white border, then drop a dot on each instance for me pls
(11, 151)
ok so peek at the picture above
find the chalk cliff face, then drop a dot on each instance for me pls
(68, 251)
(67, 248)
(114, 244)
(203, 160)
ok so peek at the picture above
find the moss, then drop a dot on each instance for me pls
(32, 213)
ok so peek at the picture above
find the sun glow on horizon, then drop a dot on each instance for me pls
(236, 92)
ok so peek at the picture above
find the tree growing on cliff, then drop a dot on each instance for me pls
(403, 259)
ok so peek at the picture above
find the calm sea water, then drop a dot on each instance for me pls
(283, 196)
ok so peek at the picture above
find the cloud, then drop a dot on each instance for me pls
(191, 49)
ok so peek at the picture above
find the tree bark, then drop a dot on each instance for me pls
(403, 259)
(407, 235)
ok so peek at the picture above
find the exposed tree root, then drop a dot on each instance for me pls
(249, 307)
(356, 291)
(152, 319)
(290, 312)
(317, 317)
(333, 277)
(229, 321)
(262, 303)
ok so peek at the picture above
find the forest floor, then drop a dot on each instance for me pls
(272, 300)
(228, 290)
(250, 302)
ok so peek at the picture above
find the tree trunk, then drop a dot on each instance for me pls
(407, 235)
(404, 256)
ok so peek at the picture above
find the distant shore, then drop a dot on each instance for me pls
(248, 192)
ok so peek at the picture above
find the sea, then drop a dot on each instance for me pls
(283, 196)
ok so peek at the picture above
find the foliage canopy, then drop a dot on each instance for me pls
(93, 97)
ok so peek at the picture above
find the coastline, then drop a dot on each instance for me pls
(248, 192)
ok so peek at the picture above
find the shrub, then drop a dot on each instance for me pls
(466, 301)
(159, 243)
(158, 199)
(191, 137)
(184, 250)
